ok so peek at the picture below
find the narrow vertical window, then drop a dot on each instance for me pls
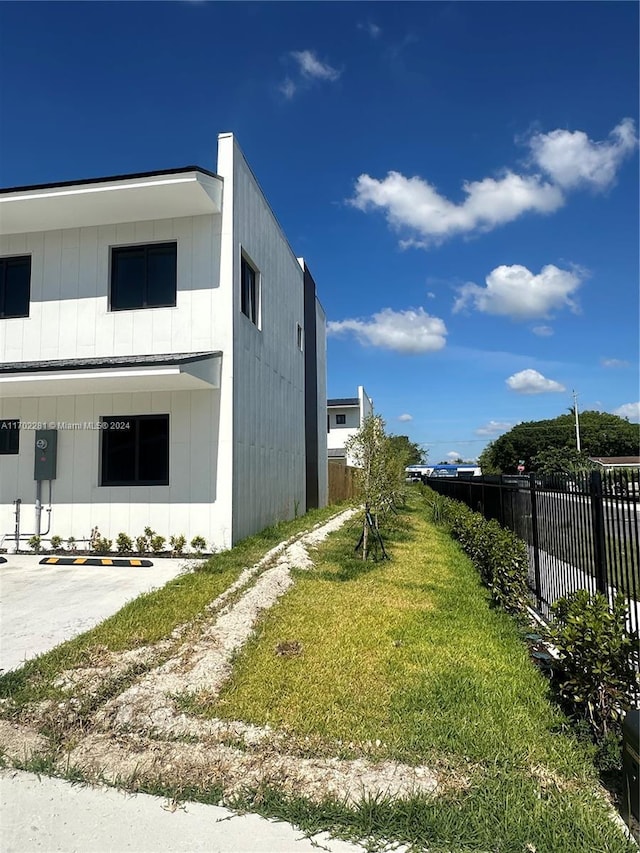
(300, 337)
(249, 292)
(15, 286)
(9, 437)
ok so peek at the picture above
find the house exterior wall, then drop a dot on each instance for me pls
(194, 503)
(69, 313)
(68, 318)
(268, 366)
(321, 363)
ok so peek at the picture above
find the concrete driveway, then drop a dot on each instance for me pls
(41, 606)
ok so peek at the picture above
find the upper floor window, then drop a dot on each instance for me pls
(250, 291)
(144, 276)
(15, 286)
(9, 437)
(341, 420)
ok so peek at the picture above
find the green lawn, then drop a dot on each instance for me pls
(408, 653)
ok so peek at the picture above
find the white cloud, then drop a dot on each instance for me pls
(312, 68)
(494, 428)
(630, 411)
(288, 88)
(412, 331)
(531, 382)
(516, 292)
(405, 418)
(571, 159)
(414, 205)
(453, 455)
(613, 362)
(372, 29)
(542, 331)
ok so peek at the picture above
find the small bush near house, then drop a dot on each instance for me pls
(56, 543)
(597, 671)
(177, 544)
(198, 544)
(35, 544)
(141, 544)
(157, 543)
(71, 543)
(101, 545)
(124, 544)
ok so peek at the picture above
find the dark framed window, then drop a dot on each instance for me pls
(15, 286)
(135, 450)
(144, 276)
(341, 420)
(9, 437)
(250, 291)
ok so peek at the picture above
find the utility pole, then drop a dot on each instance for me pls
(575, 409)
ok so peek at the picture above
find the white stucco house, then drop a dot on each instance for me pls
(345, 416)
(162, 358)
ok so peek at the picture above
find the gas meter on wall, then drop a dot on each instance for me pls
(46, 454)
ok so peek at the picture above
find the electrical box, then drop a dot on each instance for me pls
(46, 454)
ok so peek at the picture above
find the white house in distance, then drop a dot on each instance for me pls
(162, 358)
(345, 416)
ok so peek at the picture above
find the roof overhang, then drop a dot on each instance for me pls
(130, 198)
(114, 376)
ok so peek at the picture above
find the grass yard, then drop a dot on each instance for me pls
(150, 617)
(405, 659)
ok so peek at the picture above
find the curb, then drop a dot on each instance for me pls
(94, 561)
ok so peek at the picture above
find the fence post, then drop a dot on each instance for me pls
(597, 520)
(534, 537)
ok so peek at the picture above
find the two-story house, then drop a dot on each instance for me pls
(162, 358)
(345, 416)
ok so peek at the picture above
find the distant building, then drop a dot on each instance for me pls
(613, 462)
(345, 416)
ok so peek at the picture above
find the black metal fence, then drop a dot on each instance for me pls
(582, 530)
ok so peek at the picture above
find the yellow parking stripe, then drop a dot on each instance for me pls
(135, 562)
(52, 559)
(80, 560)
(106, 562)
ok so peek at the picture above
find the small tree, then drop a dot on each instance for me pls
(380, 472)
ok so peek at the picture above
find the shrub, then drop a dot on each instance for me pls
(141, 544)
(596, 673)
(56, 542)
(101, 545)
(198, 544)
(35, 544)
(71, 543)
(124, 544)
(157, 543)
(177, 544)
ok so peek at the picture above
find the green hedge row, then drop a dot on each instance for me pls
(498, 554)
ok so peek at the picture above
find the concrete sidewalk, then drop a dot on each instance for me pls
(54, 816)
(42, 606)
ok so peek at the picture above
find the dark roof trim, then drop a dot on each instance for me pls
(344, 401)
(95, 363)
(104, 180)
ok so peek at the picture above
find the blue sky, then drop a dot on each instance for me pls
(462, 178)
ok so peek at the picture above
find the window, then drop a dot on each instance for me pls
(9, 437)
(300, 337)
(249, 291)
(135, 450)
(144, 276)
(15, 286)
(341, 420)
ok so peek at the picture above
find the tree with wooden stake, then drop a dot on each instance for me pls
(380, 474)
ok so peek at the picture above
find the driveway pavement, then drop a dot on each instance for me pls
(53, 816)
(41, 606)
